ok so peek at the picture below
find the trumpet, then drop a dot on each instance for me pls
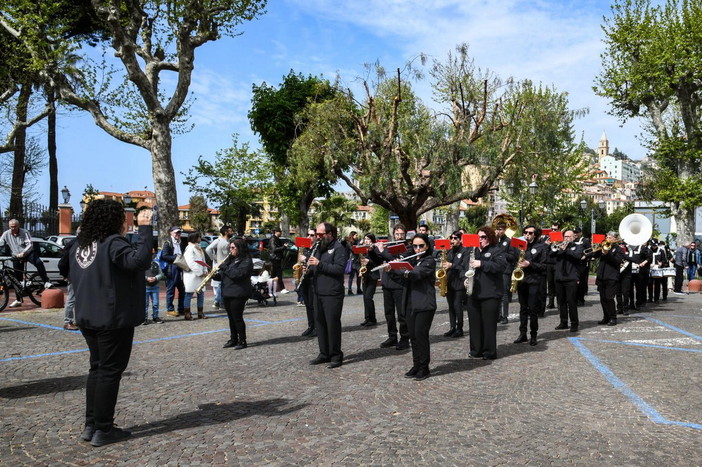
(562, 245)
(210, 275)
(384, 265)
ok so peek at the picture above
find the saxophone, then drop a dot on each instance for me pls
(210, 275)
(298, 268)
(442, 276)
(470, 274)
(518, 273)
(363, 269)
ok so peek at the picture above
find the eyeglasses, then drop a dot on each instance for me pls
(482, 236)
(321, 234)
(421, 245)
(530, 232)
(232, 246)
(454, 237)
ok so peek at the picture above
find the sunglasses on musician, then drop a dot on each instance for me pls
(417, 246)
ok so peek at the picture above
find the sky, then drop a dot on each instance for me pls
(553, 42)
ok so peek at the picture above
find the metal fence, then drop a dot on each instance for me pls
(37, 219)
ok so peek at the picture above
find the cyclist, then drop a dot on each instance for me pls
(22, 249)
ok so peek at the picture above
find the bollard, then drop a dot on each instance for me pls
(52, 298)
(695, 285)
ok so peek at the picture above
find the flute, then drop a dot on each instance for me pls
(384, 265)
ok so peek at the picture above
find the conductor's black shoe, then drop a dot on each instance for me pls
(532, 341)
(336, 364)
(371, 323)
(102, 438)
(403, 344)
(88, 433)
(522, 338)
(307, 332)
(581, 303)
(412, 372)
(450, 332)
(458, 333)
(390, 342)
(422, 374)
(319, 361)
(230, 343)
(603, 321)
(612, 322)
(561, 326)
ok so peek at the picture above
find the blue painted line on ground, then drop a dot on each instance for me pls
(683, 316)
(615, 381)
(640, 344)
(48, 326)
(676, 329)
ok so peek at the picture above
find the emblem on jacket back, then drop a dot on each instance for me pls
(85, 256)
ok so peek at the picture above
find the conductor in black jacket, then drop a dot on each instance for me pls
(419, 303)
(107, 275)
(608, 277)
(567, 273)
(485, 299)
(327, 268)
(456, 266)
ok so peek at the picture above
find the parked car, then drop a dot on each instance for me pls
(49, 252)
(258, 248)
(62, 240)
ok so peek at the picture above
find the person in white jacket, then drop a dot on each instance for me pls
(195, 258)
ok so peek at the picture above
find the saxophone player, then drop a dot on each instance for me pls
(567, 271)
(456, 265)
(305, 289)
(528, 288)
(393, 296)
(489, 263)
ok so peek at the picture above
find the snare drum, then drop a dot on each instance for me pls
(668, 272)
(656, 272)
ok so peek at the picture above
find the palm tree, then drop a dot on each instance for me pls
(336, 209)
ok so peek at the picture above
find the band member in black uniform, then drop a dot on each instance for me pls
(485, 298)
(608, 277)
(551, 275)
(641, 263)
(456, 266)
(306, 289)
(327, 268)
(511, 255)
(392, 297)
(567, 272)
(528, 288)
(659, 257)
(549, 263)
(584, 265)
(625, 286)
(369, 280)
(419, 303)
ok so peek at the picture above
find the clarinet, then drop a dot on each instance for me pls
(306, 269)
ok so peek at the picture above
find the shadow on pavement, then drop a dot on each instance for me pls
(14, 328)
(44, 386)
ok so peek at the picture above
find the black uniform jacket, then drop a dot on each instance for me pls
(637, 255)
(488, 282)
(108, 280)
(659, 258)
(374, 260)
(511, 253)
(567, 266)
(536, 254)
(456, 274)
(419, 284)
(328, 275)
(236, 277)
(608, 270)
(392, 282)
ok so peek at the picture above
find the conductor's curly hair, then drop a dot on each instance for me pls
(102, 218)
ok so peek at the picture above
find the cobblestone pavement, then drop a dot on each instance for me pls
(623, 395)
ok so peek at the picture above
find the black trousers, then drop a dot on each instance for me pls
(352, 274)
(582, 281)
(327, 312)
(369, 286)
(507, 297)
(528, 307)
(482, 323)
(608, 289)
(392, 302)
(277, 271)
(551, 282)
(419, 324)
(660, 283)
(235, 313)
(626, 284)
(641, 281)
(567, 291)
(456, 302)
(679, 277)
(174, 283)
(309, 301)
(109, 356)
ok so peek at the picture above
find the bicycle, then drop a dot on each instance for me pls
(31, 286)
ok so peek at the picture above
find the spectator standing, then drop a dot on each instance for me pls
(153, 276)
(174, 276)
(218, 251)
(195, 258)
(277, 251)
(680, 260)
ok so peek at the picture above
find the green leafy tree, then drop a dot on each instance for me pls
(650, 70)
(475, 217)
(379, 219)
(236, 182)
(199, 215)
(275, 116)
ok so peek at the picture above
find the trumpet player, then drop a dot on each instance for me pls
(567, 271)
(489, 263)
(585, 243)
(456, 265)
(528, 289)
(608, 277)
(369, 280)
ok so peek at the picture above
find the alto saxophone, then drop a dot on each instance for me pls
(297, 271)
(518, 273)
(363, 269)
(470, 274)
(442, 276)
(210, 275)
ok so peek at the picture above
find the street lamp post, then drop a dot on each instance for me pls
(583, 206)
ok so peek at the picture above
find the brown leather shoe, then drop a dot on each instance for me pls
(70, 327)
(200, 313)
(188, 316)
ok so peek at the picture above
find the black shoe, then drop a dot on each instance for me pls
(371, 323)
(612, 322)
(573, 329)
(522, 338)
(390, 342)
(146, 321)
(450, 332)
(319, 361)
(562, 326)
(504, 321)
(489, 357)
(333, 365)
(403, 344)
(475, 355)
(458, 333)
(551, 306)
(350, 293)
(540, 315)
(581, 303)
(240, 345)
(102, 438)
(158, 321)
(603, 321)
(230, 343)
(532, 341)
(88, 433)
(313, 333)
(412, 372)
(307, 332)
(364, 323)
(422, 374)
(625, 313)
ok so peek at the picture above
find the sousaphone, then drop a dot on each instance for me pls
(635, 229)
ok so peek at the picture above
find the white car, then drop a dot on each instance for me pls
(49, 253)
(61, 239)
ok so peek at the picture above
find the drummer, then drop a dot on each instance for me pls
(659, 261)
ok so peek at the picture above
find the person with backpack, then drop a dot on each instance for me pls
(170, 251)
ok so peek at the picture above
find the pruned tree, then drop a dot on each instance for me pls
(650, 70)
